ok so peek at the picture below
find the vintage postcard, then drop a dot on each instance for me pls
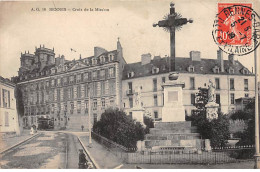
(126, 84)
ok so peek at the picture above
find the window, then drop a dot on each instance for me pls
(103, 87)
(103, 103)
(130, 74)
(246, 84)
(86, 76)
(95, 91)
(154, 84)
(218, 99)
(232, 98)
(86, 90)
(95, 117)
(111, 57)
(112, 72)
(79, 106)
(58, 82)
(163, 79)
(130, 88)
(130, 102)
(6, 119)
(71, 93)
(58, 95)
(112, 85)
(192, 99)
(112, 102)
(155, 114)
(94, 75)
(155, 100)
(246, 95)
(217, 83)
(102, 74)
(78, 78)
(65, 93)
(78, 92)
(6, 98)
(232, 84)
(192, 83)
(71, 107)
(131, 115)
(94, 104)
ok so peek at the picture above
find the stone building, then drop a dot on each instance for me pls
(231, 78)
(9, 122)
(58, 90)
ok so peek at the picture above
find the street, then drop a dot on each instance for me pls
(51, 150)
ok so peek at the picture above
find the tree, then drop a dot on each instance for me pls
(217, 130)
(115, 125)
(248, 115)
(19, 101)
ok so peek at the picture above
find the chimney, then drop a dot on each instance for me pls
(195, 55)
(220, 60)
(231, 59)
(98, 51)
(157, 57)
(62, 60)
(146, 58)
(57, 61)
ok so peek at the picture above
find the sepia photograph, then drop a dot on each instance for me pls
(127, 84)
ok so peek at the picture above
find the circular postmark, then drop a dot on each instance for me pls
(236, 29)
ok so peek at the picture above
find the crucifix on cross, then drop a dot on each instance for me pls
(172, 22)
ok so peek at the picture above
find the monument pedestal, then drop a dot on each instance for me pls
(173, 109)
(138, 115)
(212, 110)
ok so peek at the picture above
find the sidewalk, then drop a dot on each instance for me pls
(103, 157)
(9, 142)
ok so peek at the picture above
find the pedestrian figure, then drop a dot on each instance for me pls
(82, 159)
(82, 127)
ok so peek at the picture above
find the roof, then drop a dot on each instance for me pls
(205, 66)
(6, 81)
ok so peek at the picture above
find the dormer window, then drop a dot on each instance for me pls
(37, 74)
(191, 68)
(130, 74)
(155, 70)
(231, 70)
(70, 64)
(42, 73)
(216, 69)
(244, 71)
(111, 57)
(94, 61)
(52, 71)
(86, 61)
(102, 59)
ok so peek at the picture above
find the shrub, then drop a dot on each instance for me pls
(217, 130)
(120, 128)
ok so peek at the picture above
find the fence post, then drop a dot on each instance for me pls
(215, 158)
(150, 156)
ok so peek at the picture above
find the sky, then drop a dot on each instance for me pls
(22, 29)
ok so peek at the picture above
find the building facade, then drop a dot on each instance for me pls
(231, 78)
(60, 90)
(9, 122)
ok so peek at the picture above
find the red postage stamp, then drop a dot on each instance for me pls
(235, 21)
(234, 28)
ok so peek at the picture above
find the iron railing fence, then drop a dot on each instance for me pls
(178, 156)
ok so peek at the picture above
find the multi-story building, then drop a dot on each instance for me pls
(9, 122)
(231, 78)
(60, 90)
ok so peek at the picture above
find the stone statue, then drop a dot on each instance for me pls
(211, 92)
(138, 97)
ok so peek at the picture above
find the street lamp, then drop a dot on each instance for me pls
(89, 123)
